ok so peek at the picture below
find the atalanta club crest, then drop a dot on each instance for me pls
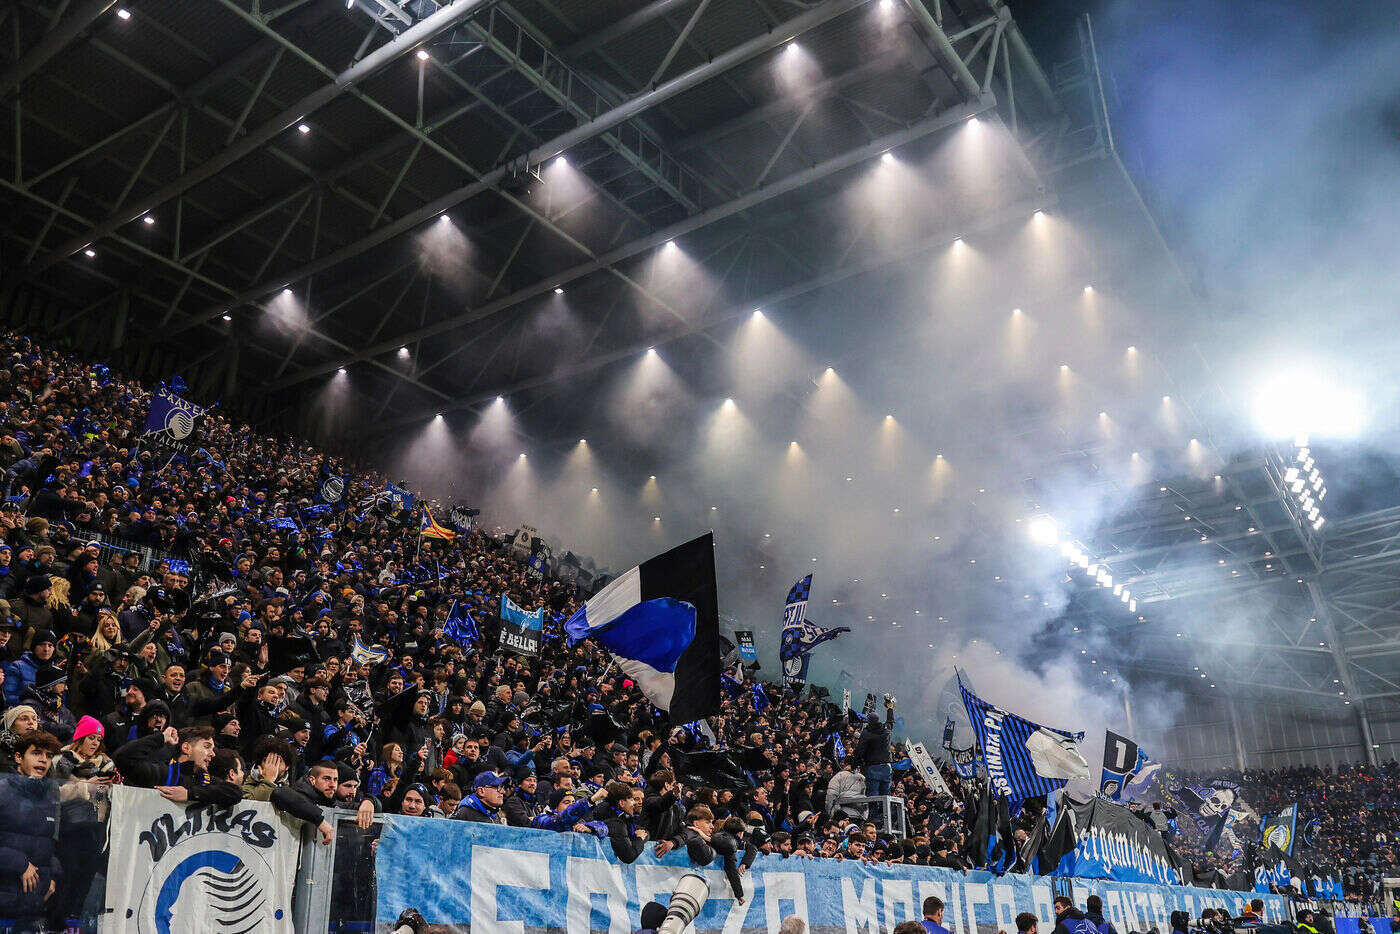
(205, 880)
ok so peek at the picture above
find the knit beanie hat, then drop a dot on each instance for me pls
(86, 727)
(13, 713)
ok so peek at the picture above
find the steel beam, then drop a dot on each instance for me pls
(55, 41)
(444, 19)
(1343, 663)
(830, 277)
(489, 180)
(629, 23)
(653, 240)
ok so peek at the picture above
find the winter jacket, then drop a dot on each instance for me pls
(622, 832)
(19, 674)
(522, 809)
(301, 800)
(28, 824)
(1097, 919)
(148, 762)
(873, 748)
(1074, 922)
(843, 786)
(473, 809)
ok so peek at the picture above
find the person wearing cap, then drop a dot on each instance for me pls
(21, 672)
(86, 756)
(19, 721)
(33, 608)
(9, 629)
(46, 695)
(653, 914)
(212, 683)
(483, 805)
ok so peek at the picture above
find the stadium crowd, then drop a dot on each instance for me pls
(211, 625)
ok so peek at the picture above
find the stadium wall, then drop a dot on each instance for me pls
(1275, 734)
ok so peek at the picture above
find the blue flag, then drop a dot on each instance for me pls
(460, 627)
(660, 622)
(760, 698)
(799, 635)
(1023, 759)
(171, 420)
(1126, 767)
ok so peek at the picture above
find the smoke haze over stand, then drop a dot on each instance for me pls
(1012, 401)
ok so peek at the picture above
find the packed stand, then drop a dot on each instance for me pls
(205, 624)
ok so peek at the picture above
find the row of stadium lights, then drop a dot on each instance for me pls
(1304, 481)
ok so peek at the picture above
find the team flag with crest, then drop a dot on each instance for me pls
(799, 635)
(172, 421)
(1278, 829)
(460, 627)
(1023, 759)
(660, 621)
(364, 655)
(429, 528)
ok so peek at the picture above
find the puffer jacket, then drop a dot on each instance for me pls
(28, 822)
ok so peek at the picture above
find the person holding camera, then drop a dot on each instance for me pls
(873, 753)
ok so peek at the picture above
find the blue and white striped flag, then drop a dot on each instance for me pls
(1023, 759)
(660, 621)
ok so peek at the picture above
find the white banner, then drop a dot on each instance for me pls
(180, 868)
(845, 701)
(923, 764)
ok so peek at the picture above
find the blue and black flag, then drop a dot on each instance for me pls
(1023, 759)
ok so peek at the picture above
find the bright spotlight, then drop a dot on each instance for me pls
(1038, 215)
(403, 351)
(1017, 311)
(887, 158)
(582, 440)
(558, 290)
(522, 455)
(123, 14)
(562, 161)
(1301, 401)
(1043, 530)
(1132, 349)
(90, 253)
(651, 351)
(303, 129)
(500, 398)
(227, 317)
(729, 403)
(757, 314)
(830, 371)
(340, 371)
(437, 417)
(1088, 290)
(791, 47)
(148, 220)
(422, 55)
(287, 291)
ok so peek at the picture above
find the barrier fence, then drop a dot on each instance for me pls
(126, 860)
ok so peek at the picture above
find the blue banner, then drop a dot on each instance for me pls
(508, 880)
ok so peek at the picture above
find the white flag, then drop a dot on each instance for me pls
(923, 762)
(178, 868)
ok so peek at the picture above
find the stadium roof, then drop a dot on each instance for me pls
(258, 194)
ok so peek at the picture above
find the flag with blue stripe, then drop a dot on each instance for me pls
(460, 627)
(799, 635)
(520, 631)
(364, 655)
(1023, 759)
(660, 622)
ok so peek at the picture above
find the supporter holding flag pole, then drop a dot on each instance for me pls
(660, 621)
(429, 528)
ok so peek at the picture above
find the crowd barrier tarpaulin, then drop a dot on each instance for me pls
(176, 868)
(1109, 842)
(490, 879)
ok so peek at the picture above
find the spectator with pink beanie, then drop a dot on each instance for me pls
(86, 757)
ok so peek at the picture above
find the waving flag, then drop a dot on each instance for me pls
(660, 621)
(1214, 806)
(1023, 759)
(171, 421)
(364, 655)
(1277, 832)
(799, 635)
(429, 528)
(1126, 767)
(460, 627)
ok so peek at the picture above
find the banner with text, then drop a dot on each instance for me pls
(508, 880)
(176, 868)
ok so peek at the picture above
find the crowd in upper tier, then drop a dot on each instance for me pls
(186, 621)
